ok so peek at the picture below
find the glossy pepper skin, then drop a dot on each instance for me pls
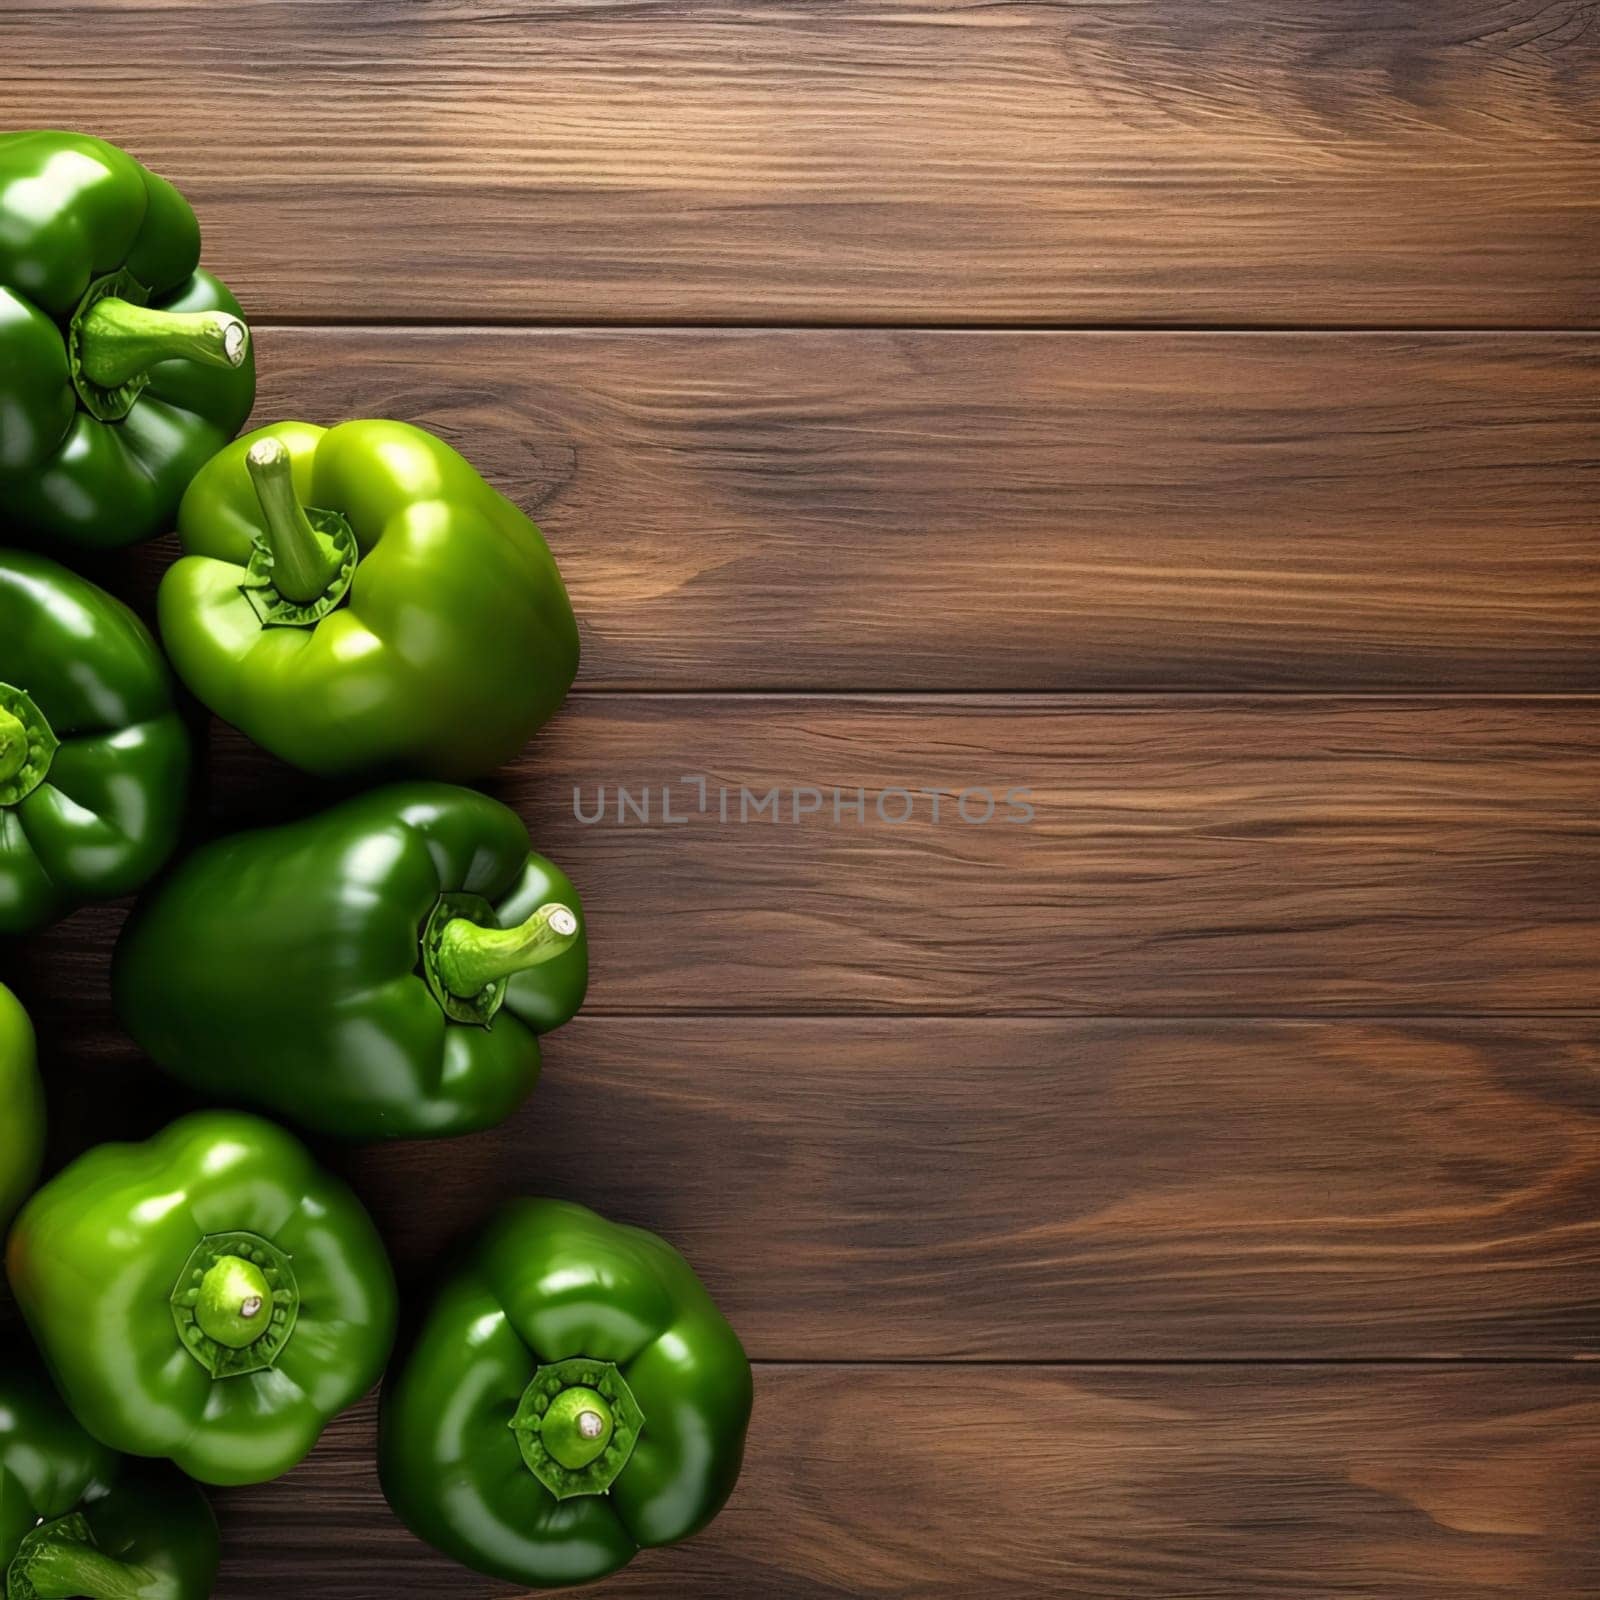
(360, 602)
(556, 1318)
(123, 366)
(335, 970)
(209, 1295)
(21, 1106)
(78, 1520)
(94, 760)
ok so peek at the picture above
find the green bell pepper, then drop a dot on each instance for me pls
(78, 1520)
(572, 1397)
(122, 365)
(358, 600)
(21, 1107)
(94, 760)
(209, 1295)
(382, 970)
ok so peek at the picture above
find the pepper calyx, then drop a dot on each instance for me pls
(235, 1303)
(34, 1552)
(115, 337)
(576, 1426)
(28, 745)
(302, 566)
(61, 1560)
(468, 959)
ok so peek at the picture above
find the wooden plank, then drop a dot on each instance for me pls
(1018, 1190)
(1230, 856)
(1027, 1189)
(1172, 161)
(986, 512)
(1118, 1483)
(1222, 857)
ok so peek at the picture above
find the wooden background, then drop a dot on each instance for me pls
(1186, 409)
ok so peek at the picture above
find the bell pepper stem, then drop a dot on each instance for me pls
(65, 1569)
(303, 562)
(13, 745)
(472, 957)
(118, 340)
(235, 1304)
(577, 1427)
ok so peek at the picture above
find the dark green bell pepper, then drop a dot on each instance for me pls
(572, 1397)
(359, 601)
(94, 760)
(78, 1520)
(21, 1107)
(122, 365)
(382, 970)
(210, 1295)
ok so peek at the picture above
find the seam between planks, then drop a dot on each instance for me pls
(756, 325)
(620, 690)
(1208, 1018)
(1182, 1364)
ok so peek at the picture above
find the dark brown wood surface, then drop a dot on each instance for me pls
(827, 510)
(1193, 856)
(1026, 1189)
(1223, 856)
(1183, 161)
(1131, 1483)
(1196, 1191)
(1029, 1190)
(1274, 855)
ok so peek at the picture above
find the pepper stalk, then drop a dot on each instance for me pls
(471, 957)
(577, 1427)
(59, 1561)
(13, 745)
(235, 1303)
(304, 562)
(118, 340)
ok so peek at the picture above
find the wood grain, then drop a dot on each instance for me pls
(1271, 855)
(1222, 857)
(1264, 1060)
(1015, 1190)
(927, 1483)
(1170, 161)
(1036, 511)
(1033, 1190)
